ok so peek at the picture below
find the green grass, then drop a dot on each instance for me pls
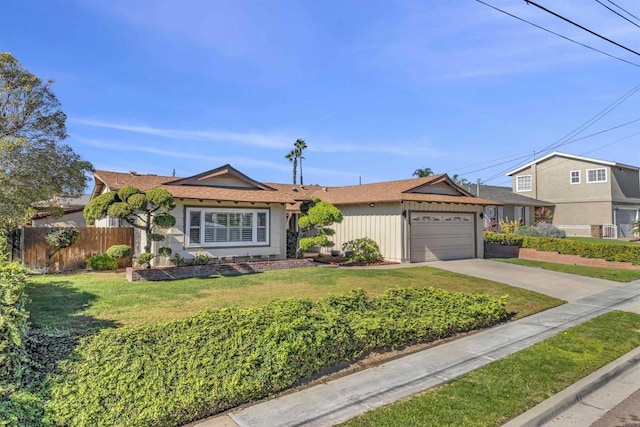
(602, 241)
(615, 274)
(97, 300)
(496, 393)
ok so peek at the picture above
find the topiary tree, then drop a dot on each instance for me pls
(144, 211)
(316, 221)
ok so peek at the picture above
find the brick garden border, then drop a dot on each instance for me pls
(535, 255)
(154, 274)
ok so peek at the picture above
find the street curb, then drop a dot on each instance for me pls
(555, 405)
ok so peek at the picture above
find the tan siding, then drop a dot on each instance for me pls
(381, 223)
(587, 213)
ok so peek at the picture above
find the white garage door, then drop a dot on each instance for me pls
(441, 236)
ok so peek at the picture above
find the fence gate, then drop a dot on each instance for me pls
(36, 254)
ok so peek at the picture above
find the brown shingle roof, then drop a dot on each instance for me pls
(390, 191)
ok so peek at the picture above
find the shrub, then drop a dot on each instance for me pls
(13, 327)
(510, 226)
(541, 230)
(503, 239)
(170, 374)
(119, 251)
(144, 259)
(177, 260)
(63, 237)
(100, 262)
(165, 251)
(362, 250)
(201, 259)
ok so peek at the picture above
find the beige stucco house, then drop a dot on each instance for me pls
(585, 191)
(227, 214)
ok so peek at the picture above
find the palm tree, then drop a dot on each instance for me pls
(299, 147)
(421, 173)
(460, 180)
(293, 158)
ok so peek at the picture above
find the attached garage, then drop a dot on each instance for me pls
(442, 236)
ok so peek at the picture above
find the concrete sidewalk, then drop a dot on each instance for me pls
(343, 398)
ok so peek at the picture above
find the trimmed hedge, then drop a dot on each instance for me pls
(15, 404)
(624, 253)
(172, 373)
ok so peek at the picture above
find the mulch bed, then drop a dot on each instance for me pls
(342, 261)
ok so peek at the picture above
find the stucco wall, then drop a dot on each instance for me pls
(75, 219)
(175, 238)
(625, 185)
(586, 213)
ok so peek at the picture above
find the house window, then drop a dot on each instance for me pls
(523, 183)
(597, 175)
(575, 177)
(520, 214)
(211, 227)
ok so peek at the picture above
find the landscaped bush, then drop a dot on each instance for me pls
(541, 230)
(119, 251)
(170, 374)
(625, 253)
(100, 262)
(13, 326)
(503, 239)
(201, 259)
(362, 250)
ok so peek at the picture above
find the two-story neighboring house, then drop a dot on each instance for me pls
(585, 191)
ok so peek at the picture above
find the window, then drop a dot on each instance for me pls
(597, 175)
(227, 227)
(523, 183)
(575, 177)
(520, 214)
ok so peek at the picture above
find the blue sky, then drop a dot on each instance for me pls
(376, 88)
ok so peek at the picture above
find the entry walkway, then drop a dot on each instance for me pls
(343, 398)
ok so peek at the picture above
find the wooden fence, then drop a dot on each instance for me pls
(34, 252)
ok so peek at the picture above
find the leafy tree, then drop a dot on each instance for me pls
(34, 164)
(142, 210)
(460, 180)
(421, 173)
(316, 221)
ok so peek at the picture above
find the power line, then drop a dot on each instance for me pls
(580, 26)
(618, 13)
(557, 34)
(624, 10)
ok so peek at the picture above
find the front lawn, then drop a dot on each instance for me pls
(96, 300)
(500, 391)
(615, 274)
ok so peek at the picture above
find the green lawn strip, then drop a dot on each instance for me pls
(616, 274)
(87, 301)
(498, 392)
(602, 241)
(167, 374)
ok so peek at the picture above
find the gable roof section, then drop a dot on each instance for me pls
(224, 174)
(573, 157)
(506, 196)
(402, 190)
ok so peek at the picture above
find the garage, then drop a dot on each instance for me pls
(441, 236)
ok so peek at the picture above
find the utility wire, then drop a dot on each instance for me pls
(624, 10)
(580, 26)
(557, 34)
(618, 13)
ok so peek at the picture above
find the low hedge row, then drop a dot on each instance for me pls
(625, 253)
(172, 373)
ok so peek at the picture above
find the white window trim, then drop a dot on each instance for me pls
(606, 176)
(518, 189)
(207, 209)
(571, 177)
